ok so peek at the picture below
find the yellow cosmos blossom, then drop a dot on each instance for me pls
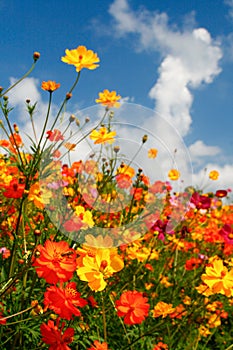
(108, 98)
(214, 175)
(126, 169)
(49, 86)
(173, 174)
(81, 58)
(162, 309)
(218, 279)
(102, 136)
(86, 216)
(97, 268)
(152, 153)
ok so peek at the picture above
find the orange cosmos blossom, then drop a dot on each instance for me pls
(50, 85)
(81, 58)
(56, 261)
(99, 266)
(133, 306)
(173, 174)
(108, 98)
(162, 309)
(218, 279)
(214, 175)
(99, 346)
(102, 136)
(152, 153)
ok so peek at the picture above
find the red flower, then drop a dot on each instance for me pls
(56, 261)
(133, 307)
(99, 346)
(200, 201)
(55, 337)
(192, 264)
(14, 189)
(55, 135)
(64, 302)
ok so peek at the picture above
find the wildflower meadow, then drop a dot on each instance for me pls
(95, 253)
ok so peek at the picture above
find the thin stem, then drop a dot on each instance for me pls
(19, 81)
(104, 318)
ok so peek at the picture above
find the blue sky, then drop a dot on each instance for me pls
(172, 56)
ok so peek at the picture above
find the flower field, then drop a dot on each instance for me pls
(94, 254)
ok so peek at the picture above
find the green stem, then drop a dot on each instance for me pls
(104, 318)
(19, 81)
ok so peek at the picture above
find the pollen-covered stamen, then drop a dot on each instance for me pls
(103, 265)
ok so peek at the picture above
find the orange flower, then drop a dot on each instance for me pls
(69, 146)
(152, 153)
(56, 261)
(81, 58)
(99, 346)
(133, 307)
(102, 136)
(218, 279)
(50, 86)
(53, 336)
(214, 175)
(108, 98)
(64, 301)
(162, 309)
(173, 174)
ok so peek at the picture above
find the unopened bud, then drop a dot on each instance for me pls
(36, 56)
(68, 95)
(116, 149)
(77, 122)
(5, 98)
(87, 119)
(16, 128)
(1, 88)
(28, 100)
(111, 114)
(72, 118)
(144, 139)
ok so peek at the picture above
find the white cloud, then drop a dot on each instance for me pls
(190, 58)
(200, 149)
(230, 4)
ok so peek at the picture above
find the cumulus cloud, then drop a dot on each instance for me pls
(189, 59)
(200, 149)
(230, 4)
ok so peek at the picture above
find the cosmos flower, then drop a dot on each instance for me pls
(108, 98)
(81, 58)
(102, 136)
(133, 306)
(55, 337)
(50, 86)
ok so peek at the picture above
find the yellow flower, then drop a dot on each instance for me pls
(99, 267)
(126, 170)
(50, 86)
(218, 279)
(102, 136)
(162, 309)
(108, 98)
(81, 58)
(173, 174)
(214, 175)
(152, 153)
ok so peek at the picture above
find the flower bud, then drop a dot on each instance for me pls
(72, 118)
(144, 139)
(5, 98)
(116, 149)
(36, 56)
(28, 100)
(1, 88)
(87, 119)
(77, 122)
(68, 95)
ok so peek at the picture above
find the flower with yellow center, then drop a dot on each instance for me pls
(81, 58)
(214, 175)
(108, 98)
(98, 267)
(50, 86)
(173, 174)
(102, 136)
(152, 153)
(218, 279)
